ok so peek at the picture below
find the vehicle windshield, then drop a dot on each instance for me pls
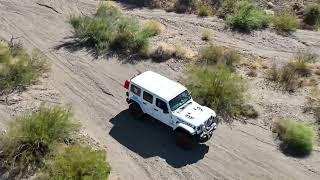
(179, 100)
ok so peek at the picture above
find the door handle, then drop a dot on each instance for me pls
(144, 103)
(155, 109)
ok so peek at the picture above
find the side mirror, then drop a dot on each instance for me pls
(165, 111)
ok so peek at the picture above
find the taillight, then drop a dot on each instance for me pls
(126, 84)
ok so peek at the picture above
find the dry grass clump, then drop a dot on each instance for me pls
(206, 36)
(204, 11)
(288, 76)
(212, 55)
(152, 27)
(166, 51)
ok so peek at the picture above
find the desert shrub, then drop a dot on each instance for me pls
(247, 17)
(30, 139)
(18, 68)
(77, 162)
(109, 28)
(183, 6)
(204, 10)
(216, 87)
(206, 36)
(213, 54)
(163, 52)
(288, 75)
(227, 8)
(249, 111)
(286, 22)
(152, 28)
(297, 138)
(312, 14)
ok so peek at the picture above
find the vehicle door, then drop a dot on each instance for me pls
(147, 102)
(161, 112)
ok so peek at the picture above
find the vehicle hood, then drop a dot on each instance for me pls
(193, 113)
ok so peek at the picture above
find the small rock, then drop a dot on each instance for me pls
(269, 12)
(270, 5)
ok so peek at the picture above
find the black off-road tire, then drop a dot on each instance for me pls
(135, 110)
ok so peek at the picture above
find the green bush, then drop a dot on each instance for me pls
(109, 28)
(212, 55)
(30, 139)
(312, 15)
(19, 69)
(287, 22)
(297, 138)
(152, 28)
(248, 17)
(204, 10)
(227, 8)
(77, 162)
(217, 87)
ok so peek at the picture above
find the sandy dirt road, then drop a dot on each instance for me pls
(143, 149)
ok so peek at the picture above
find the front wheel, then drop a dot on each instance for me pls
(135, 110)
(184, 139)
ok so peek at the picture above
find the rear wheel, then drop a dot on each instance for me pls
(184, 139)
(135, 110)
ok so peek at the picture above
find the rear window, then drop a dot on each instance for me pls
(135, 90)
(148, 97)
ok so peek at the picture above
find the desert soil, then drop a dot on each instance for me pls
(140, 149)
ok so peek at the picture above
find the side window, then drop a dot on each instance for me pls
(162, 105)
(135, 90)
(148, 97)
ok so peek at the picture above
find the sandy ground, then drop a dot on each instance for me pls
(140, 149)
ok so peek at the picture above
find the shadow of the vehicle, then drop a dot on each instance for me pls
(148, 139)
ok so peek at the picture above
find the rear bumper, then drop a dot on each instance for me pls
(206, 134)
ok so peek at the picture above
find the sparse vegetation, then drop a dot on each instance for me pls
(217, 87)
(19, 69)
(288, 75)
(286, 22)
(247, 17)
(163, 52)
(109, 28)
(312, 15)
(204, 10)
(211, 55)
(313, 104)
(206, 36)
(183, 6)
(297, 138)
(31, 138)
(77, 162)
(152, 28)
(166, 51)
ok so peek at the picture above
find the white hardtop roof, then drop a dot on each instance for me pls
(158, 85)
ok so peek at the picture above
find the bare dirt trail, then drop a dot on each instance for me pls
(142, 149)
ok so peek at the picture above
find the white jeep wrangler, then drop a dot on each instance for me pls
(171, 103)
